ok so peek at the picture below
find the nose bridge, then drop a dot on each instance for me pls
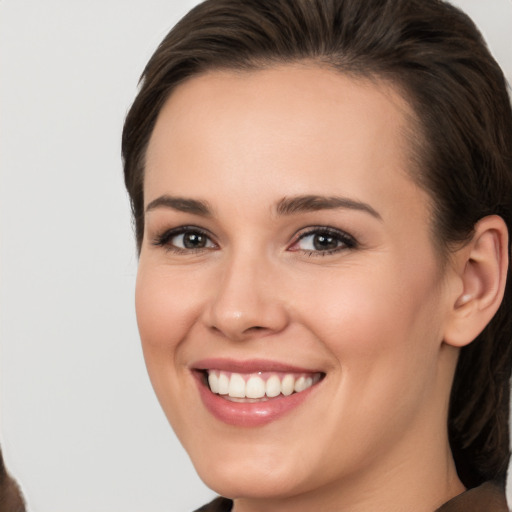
(246, 299)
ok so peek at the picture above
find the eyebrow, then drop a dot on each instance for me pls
(311, 203)
(286, 206)
(180, 204)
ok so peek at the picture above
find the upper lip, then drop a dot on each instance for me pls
(249, 366)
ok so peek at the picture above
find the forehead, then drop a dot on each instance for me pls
(300, 128)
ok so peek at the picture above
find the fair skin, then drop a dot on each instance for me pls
(351, 292)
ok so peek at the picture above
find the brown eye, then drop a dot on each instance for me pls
(185, 239)
(324, 241)
(192, 240)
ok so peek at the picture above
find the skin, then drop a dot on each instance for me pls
(372, 316)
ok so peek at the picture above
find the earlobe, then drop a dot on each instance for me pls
(482, 269)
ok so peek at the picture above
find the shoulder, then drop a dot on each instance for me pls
(488, 497)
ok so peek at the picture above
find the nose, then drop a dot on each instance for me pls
(246, 301)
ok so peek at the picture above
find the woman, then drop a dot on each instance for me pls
(322, 200)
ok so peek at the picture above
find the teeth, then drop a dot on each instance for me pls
(237, 385)
(300, 385)
(255, 387)
(287, 385)
(223, 384)
(273, 386)
(213, 381)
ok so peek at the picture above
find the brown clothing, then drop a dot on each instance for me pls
(10, 494)
(217, 505)
(489, 497)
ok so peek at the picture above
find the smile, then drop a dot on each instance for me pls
(253, 393)
(261, 385)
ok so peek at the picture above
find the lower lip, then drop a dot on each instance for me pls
(249, 414)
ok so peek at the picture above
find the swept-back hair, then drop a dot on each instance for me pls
(461, 139)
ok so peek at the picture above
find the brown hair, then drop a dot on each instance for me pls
(438, 59)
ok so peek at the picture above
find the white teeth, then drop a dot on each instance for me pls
(255, 387)
(258, 385)
(273, 387)
(287, 385)
(223, 384)
(236, 386)
(300, 385)
(213, 381)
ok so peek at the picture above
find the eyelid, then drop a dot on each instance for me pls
(347, 240)
(162, 239)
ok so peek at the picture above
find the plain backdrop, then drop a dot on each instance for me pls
(79, 426)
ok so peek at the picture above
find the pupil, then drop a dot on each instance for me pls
(325, 242)
(193, 240)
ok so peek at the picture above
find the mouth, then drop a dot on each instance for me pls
(253, 393)
(258, 386)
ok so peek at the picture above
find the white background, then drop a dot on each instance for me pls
(80, 427)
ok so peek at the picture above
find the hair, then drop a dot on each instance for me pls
(436, 57)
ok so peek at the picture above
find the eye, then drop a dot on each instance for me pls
(185, 239)
(323, 241)
(191, 240)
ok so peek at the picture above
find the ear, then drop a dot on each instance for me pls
(480, 277)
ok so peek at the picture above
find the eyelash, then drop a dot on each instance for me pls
(164, 240)
(344, 240)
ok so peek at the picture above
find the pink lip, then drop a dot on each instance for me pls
(250, 366)
(244, 414)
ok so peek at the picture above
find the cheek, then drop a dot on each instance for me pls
(166, 305)
(382, 330)
(381, 324)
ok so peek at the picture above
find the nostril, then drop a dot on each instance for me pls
(255, 328)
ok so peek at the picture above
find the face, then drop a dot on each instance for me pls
(289, 298)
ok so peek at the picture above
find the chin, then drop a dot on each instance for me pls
(251, 479)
